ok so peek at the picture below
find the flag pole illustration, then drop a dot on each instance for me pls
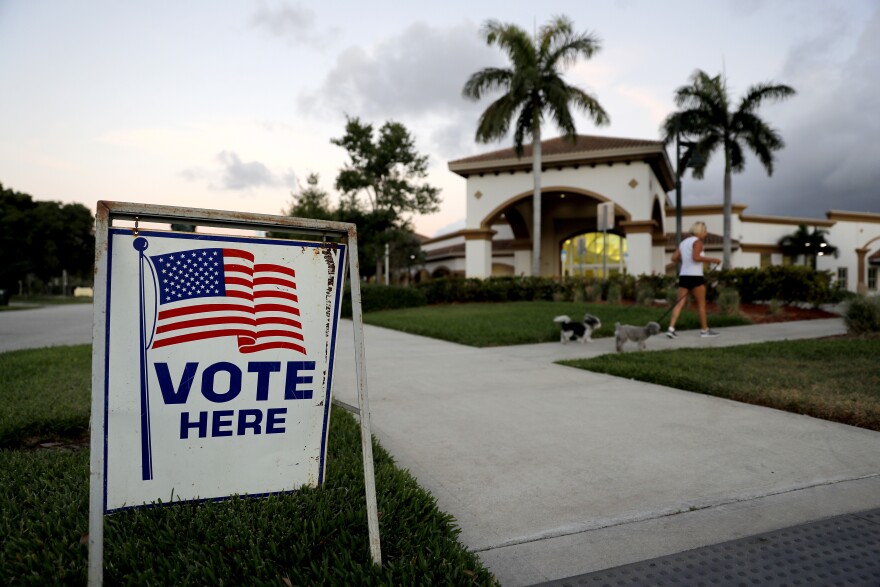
(211, 293)
(140, 244)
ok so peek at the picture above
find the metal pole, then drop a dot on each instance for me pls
(96, 458)
(363, 399)
(677, 186)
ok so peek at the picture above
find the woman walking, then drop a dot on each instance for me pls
(690, 277)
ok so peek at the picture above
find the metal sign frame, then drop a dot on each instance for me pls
(107, 213)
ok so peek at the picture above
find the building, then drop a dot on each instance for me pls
(632, 177)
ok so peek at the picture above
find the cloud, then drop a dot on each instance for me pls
(295, 24)
(238, 175)
(415, 77)
(828, 128)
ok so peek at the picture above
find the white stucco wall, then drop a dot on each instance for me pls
(609, 183)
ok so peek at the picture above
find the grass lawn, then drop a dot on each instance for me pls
(309, 537)
(508, 323)
(45, 394)
(836, 379)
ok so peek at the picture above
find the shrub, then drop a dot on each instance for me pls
(615, 293)
(788, 284)
(593, 292)
(644, 295)
(626, 284)
(774, 307)
(862, 315)
(728, 301)
(383, 297)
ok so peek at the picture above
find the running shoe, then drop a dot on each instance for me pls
(708, 333)
(670, 333)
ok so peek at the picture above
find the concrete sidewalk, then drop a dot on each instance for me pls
(554, 472)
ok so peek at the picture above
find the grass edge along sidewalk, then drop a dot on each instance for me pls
(836, 379)
(509, 323)
(311, 536)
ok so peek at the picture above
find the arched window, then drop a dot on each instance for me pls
(585, 255)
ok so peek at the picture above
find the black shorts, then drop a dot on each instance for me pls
(690, 282)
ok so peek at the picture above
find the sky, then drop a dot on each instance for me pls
(231, 105)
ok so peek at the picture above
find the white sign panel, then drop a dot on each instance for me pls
(605, 215)
(219, 365)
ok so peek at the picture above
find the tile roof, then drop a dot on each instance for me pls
(561, 152)
(562, 146)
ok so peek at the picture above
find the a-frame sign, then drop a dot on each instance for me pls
(213, 358)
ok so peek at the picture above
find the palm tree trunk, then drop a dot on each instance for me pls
(728, 212)
(536, 201)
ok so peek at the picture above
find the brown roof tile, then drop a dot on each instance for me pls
(562, 146)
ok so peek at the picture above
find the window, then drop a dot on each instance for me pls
(766, 260)
(872, 278)
(842, 276)
(586, 254)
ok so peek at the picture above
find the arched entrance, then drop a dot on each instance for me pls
(566, 212)
(593, 254)
(862, 254)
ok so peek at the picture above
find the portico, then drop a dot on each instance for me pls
(633, 174)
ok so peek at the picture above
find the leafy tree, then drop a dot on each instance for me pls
(533, 87)
(809, 244)
(705, 116)
(388, 169)
(311, 202)
(43, 239)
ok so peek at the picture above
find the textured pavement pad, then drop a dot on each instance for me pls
(844, 550)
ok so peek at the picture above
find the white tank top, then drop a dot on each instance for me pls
(688, 265)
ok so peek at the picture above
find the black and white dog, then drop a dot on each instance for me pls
(580, 331)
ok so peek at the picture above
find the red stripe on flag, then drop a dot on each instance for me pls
(270, 268)
(273, 320)
(277, 308)
(272, 345)
(274, 281)
(201, 309)
(276, 294)
(201, 336)
(200, 322)
(280, 333)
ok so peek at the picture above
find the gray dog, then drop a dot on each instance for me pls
(639, 334)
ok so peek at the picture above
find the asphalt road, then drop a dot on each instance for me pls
(45, 326)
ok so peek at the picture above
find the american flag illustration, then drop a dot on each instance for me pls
(218, 292)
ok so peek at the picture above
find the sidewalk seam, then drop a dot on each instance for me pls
(656, 516)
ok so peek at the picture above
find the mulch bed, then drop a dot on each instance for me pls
(760, 313)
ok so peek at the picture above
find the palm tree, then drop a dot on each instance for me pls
(705, 115)
(809, 244)
(532, 86)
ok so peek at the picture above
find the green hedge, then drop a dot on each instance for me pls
(383, 297)
(791, 284)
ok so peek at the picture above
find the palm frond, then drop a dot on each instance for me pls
(495, 120)
(512, 40)
(487, 80)
(760, 93)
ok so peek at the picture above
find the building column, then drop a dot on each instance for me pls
(639, 246)
(478, 252)
(861, 287)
